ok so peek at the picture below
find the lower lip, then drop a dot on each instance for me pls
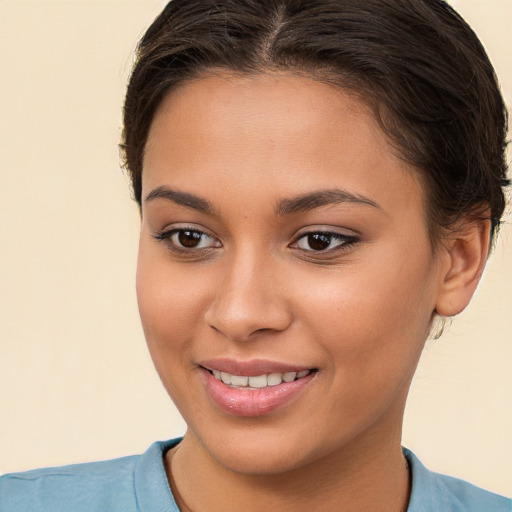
(253, 402)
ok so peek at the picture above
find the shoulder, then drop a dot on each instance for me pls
(91, 486)
(96, 486)
(473, 498)
(433, 491)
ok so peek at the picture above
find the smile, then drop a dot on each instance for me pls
(258, 381)
(255, 388)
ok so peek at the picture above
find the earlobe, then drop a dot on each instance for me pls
(466, 252)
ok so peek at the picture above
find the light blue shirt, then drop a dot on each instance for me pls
(139, 484)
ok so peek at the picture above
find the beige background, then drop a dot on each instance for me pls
(76, 383)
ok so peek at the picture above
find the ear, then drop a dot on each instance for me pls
(465, 253)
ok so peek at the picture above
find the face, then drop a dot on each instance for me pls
(286, 282)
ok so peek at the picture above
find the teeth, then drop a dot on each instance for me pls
(289, 376)
(274, 379)
(239, 381)
(225, 377)
(258, 381)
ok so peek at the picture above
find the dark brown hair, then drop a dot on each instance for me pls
(416, 62)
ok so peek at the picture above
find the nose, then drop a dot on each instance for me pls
(248, 299)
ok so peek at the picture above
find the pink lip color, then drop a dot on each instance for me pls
(250, 402)
(250, 368)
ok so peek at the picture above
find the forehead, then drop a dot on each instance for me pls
(270, 107)
(292, 131)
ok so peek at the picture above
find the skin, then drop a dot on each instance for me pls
(359, 311)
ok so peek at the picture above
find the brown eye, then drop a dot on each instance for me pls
(189, 239)
(319, 241)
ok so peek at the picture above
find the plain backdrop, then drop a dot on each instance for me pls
(76, 381)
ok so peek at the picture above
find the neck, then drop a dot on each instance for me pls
(357, 478)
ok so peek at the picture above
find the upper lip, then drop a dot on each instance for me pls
(251, 368)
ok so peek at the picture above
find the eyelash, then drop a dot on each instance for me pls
(166, 237)
(347, 241)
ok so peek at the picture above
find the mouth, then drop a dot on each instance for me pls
(256, 388)
(258, 381)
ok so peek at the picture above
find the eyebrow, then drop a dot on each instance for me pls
(288, 206)
(310, 201)
(182, 198)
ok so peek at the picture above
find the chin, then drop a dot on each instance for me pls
(258, 460)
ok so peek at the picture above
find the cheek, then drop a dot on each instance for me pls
(170, 305)
(378, 315)
(170, 300)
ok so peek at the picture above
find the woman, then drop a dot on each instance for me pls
(319, 185)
